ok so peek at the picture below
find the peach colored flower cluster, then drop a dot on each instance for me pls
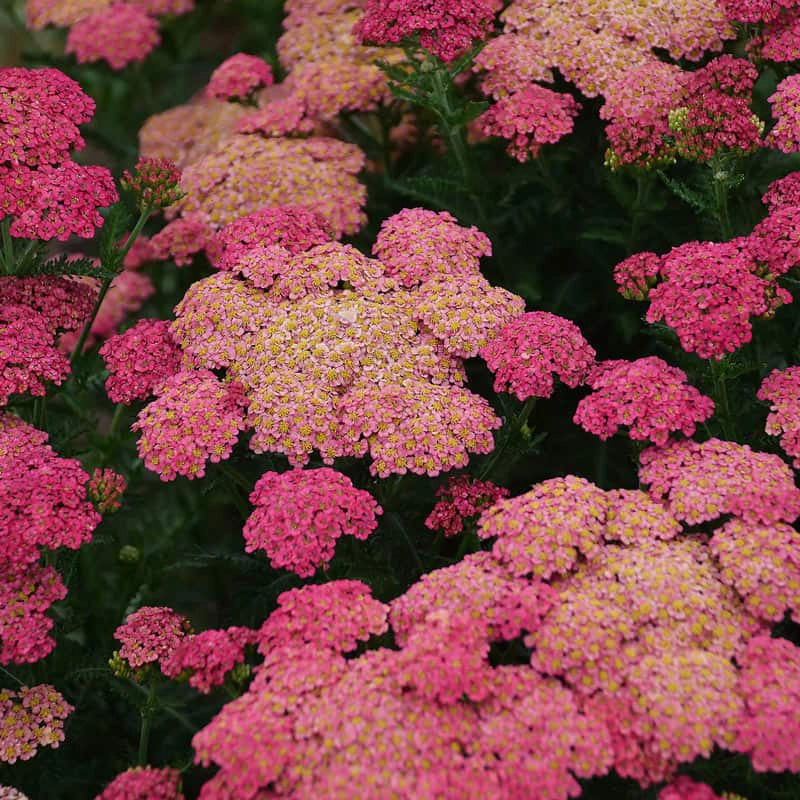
(31, 718)
(334, 355)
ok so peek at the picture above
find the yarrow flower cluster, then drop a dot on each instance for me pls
(684, 788)
(300, 514)
(140, 360)
(334, 355)
(445, 28)
(238, 77)
(785, 135)
(194, 419)
(31, 718)
(120, 32)
(48, 195)
(144, 783)
(462, 497)
(781, 389)
(648, 396)
(150, 635)
(208, 657)
(769, 682)
(530, 118)
(529, 353)
(708, 293)
(700, 482)
(760, 562)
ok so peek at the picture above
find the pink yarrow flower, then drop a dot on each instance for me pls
(462, 497)
(529, 353)
(300, 514)
(150, 635)
(781, 389)
(31, 718)
(105, 490)
(238, 77)
(648, 396)
(529, 119)
(785, 102)
(119, 34)
(144, 783)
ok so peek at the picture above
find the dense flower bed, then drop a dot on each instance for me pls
(400, 399)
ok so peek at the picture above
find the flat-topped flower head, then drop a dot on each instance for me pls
(43, 498)
(769, 683)
(144, 783)
(239, 77)
(416, 245)
(543, 531)
(118, 34)
(30, 718)
(194, 419)
(462, 497)
(140, 360)
(708, 294)
(762, 562)
(647, 396)
(532, 350)
(300, 514)
(529, 118)
(150, 635)
(26, 594)
(28, 356)
(512, 62)
(208, 657)
(781, 389)
(701, 482)
(446, 28)
(755, 10)
(775, 242)
(40, 111)
(180, 239)
(63, 301)
(785, 102)
(247, 173)
(783, 192)
(636, 275)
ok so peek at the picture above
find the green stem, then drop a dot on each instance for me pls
(7, 257)
(721, 397)
(395, 520)
(453, 133)
(118, 411)
(520, 423)
(723, 212)
(147, 713)
(40, 413)
(121, 253)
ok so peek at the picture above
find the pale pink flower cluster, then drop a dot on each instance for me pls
(300, 514)
(238, 77)
(781, 389)
(512, 62)
(701, 482)
(462, 497)
(144, 783)
(105, 490)
(250, 172)
(775, 242)
(10, 793)
(31, 718)
(140, 360)
(194, 419)
(760, 562)
(647, 396)
(48, 195)
(779, 39)
(569, 512)
(446, 28)
(785, 102)
(530, 118)
(407, 731)
(416, 245)
(120, 32)
(334, 355)
(181, 239)
(529, 353)
(207, 657)
(150, 635)
(769, 682)
(755, 10)
(594, 44)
